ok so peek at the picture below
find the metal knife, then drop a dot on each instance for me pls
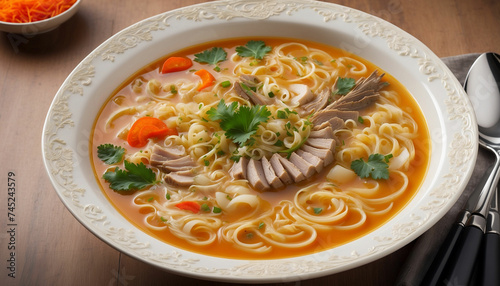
(489, 263)
(442, 256)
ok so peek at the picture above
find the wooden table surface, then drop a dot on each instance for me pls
(51, 247)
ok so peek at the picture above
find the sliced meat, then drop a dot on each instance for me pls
(372, 82)
(326, 132)
(161, 154)
(334, 123)
(327, 114)
(239, 169)
(365, 92)
(322, 143)
(256, 176)
(181, 164)
(279, 170)
(302, 94)
(314, 160)
(180, 179)
(250, 80)
(291, 169)
(324, 154)
(171, 159)
(247, 88)
(366, 101)
(271, 177)
(318, 103)
(304, 166)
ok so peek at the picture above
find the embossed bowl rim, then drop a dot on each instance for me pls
(446, 107)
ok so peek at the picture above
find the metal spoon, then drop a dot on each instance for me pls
(483, 87)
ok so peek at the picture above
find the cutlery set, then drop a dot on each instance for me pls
(470, 254)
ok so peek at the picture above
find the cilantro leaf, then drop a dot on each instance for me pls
(245, 123)
(212, 56)
(344, 85)
(256, 49)
(239, 123)
(223, 111)
(109, 153)
(134, 177)
(376, 167)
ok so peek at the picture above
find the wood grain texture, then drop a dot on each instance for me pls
(52, 247)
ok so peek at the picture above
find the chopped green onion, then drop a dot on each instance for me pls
(225, 84)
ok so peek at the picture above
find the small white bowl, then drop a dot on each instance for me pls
(38, 27)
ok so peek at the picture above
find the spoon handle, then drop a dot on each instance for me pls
(460, 267)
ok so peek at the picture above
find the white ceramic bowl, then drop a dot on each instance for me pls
(446, 108)
(38, 27)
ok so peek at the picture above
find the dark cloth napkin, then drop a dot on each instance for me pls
(426, 246)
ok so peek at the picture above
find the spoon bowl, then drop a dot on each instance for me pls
(482, 86)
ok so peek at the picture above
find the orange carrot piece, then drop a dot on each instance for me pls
(189, 206)
(175, 64)
(145, 128)
(207, 79)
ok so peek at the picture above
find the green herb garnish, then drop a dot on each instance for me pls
(344, 85)
(134, 177)
(225, 84)
(173, 89)
(205, 208)
(110, 154)
(212, 56)
(281, 114)
(376, 166)
(240, 123)
(256, 49)
(317, 210)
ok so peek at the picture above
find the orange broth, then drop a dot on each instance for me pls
(325, 240)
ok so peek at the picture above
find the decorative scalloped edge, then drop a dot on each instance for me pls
(59, 156)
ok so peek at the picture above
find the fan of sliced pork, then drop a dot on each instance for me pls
(317, 152)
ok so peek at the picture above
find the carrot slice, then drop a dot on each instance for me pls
(145, 128)
(207, 79)
(175, 64)
(162, 133)
(189, 206)
(144, 133)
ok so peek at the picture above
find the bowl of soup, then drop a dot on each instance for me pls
(31, 17)
(260, 141)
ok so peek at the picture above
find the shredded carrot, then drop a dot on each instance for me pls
(26, 11)
(207, 79)
(189, 206)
